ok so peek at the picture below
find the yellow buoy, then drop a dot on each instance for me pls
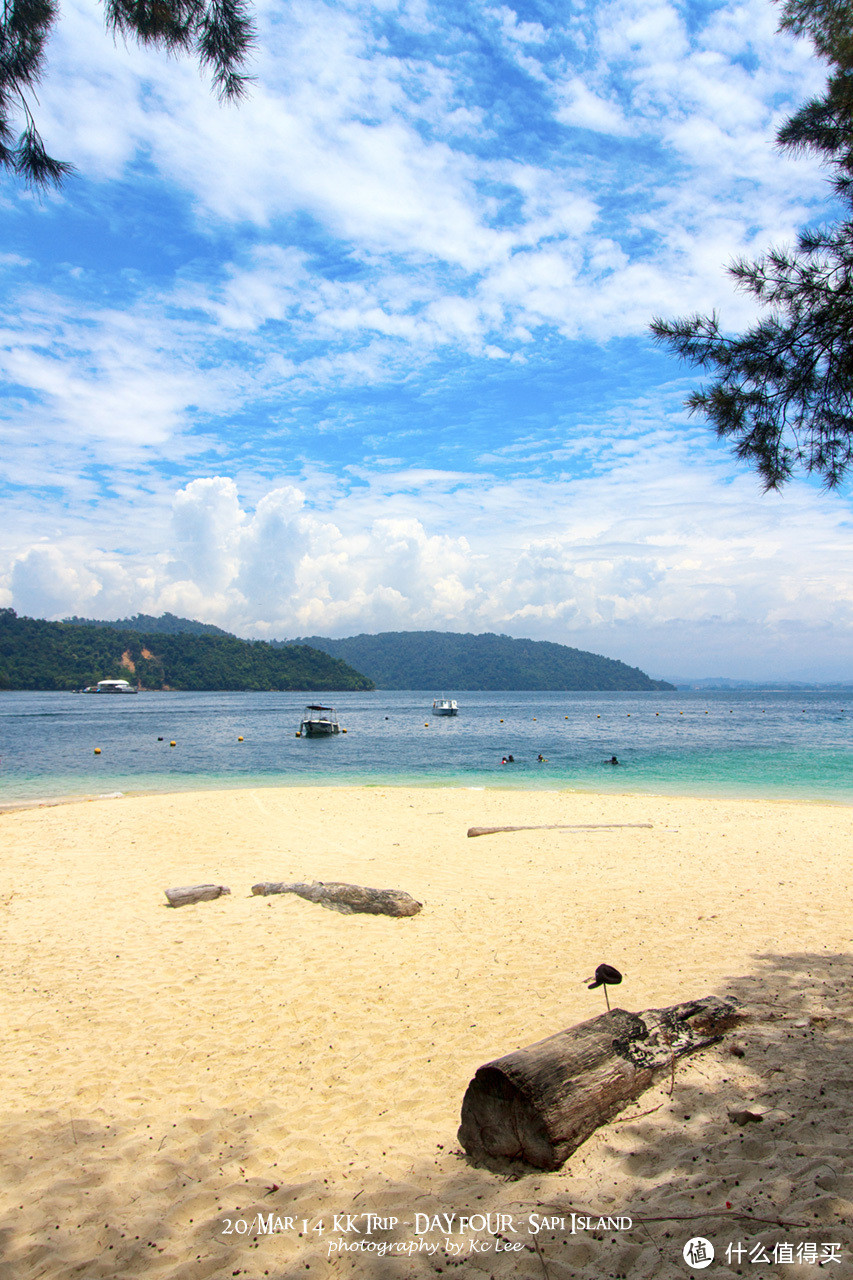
(343, 730)
(173, 744)
(426, 724)
(97, 751)
(297, 734)
(239, 739)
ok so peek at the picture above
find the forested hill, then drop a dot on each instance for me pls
(444, 661)
(166, 624)
(63, 655)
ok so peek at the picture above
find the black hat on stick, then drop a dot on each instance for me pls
(605, 975)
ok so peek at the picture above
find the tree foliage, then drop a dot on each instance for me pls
(61, 655)
(163, 624)
(219, 33)
(783, 390)
(441, 660)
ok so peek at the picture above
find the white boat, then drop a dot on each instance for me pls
(111, 686)
(318, 722)
(445, 707)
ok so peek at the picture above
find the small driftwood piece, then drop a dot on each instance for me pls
(541, 1102)
(558, 826)
(195, 893)
(348, 898)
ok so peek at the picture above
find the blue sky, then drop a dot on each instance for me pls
(370, 351)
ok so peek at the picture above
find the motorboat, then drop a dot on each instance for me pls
(445, 707)
(318, 722)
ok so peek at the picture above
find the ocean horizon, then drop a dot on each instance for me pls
(771, 744)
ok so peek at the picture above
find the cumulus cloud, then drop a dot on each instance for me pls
(46, 581)
(206, 523)
(623, 561)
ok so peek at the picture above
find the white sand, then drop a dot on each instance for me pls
(166, 1072)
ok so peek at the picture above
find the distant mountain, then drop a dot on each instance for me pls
(444, 661)
(766, 686)
(167, 625)
(60, 655)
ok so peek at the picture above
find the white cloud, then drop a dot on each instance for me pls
(622, 561)
(523, 32)
(206, 523)
(587, 110)
(44, 581)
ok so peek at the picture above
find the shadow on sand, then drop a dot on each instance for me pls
(88, 1200)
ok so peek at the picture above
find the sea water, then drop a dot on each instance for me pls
(770, 744)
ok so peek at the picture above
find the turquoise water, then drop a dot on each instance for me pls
(797, 745)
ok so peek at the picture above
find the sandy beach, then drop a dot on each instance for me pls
(172, 1078)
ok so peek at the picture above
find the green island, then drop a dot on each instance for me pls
(168, 652)
(445, 660)
(38, 655)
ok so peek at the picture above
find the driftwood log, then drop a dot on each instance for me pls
(348, 898)
(558, 826)
(195, 893)
(541, 1102)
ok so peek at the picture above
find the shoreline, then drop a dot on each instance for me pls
(169, 1072)
(433, 784)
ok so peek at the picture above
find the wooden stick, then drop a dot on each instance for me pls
(541, 1259)
(559, 826)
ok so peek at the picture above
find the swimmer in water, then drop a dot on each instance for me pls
(612, 760)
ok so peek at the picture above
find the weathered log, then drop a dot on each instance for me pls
(558, 826)
(348, 898)
(195, 893)
(540, 1103)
